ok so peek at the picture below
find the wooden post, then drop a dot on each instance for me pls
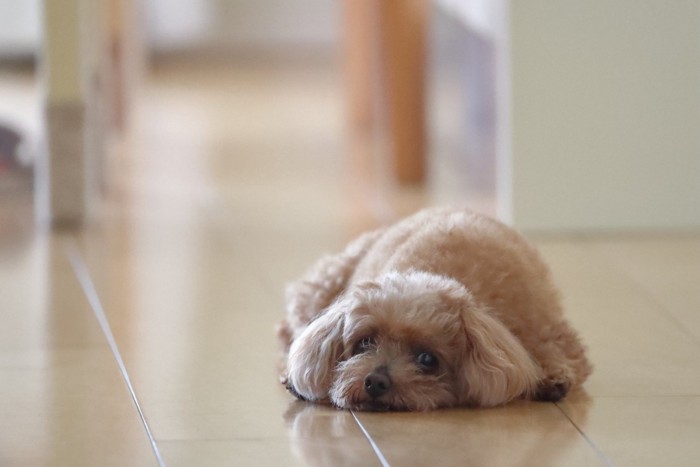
(403, 38)
(384, 66)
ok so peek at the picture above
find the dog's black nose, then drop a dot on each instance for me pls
(377, 383)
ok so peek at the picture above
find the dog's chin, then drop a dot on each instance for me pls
(372, 406)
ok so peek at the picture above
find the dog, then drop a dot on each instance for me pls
(444, 308)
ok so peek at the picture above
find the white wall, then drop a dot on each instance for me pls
(182, 24)
(19, 27)
(605, 114)
(257, 24)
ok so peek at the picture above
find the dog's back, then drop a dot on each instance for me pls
(493, 261)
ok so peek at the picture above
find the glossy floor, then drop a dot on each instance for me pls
(148, 337)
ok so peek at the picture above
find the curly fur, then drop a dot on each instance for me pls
(465, 288)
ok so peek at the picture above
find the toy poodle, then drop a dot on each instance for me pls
(444, 308)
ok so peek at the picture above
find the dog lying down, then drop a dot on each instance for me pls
(444, 308)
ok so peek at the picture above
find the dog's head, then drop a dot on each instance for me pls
(413, 341)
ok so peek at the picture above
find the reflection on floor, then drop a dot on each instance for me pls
(231, 184)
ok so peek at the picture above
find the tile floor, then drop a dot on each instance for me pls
(147, 338)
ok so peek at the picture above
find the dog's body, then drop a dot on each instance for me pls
(444, 308)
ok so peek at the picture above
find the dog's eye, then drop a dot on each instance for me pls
(364, 344)
(427, 362)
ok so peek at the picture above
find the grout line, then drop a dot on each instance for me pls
(601, 455)
(662, 308)
(377, 451)
(651, 297)
(83, 275)
(644, 396)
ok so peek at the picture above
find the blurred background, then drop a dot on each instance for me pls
(553, 117)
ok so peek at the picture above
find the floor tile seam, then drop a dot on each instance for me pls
(587, 439)
(223, 439)
(252, 439)
(380, 456)
(53, 348)
(650, 297)
(82, 274)
(647, 396)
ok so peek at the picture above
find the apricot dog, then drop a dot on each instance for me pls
(444, 308)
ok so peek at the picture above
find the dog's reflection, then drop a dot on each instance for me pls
(522, 433)
(322, 436)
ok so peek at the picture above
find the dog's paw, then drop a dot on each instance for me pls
(551, 391)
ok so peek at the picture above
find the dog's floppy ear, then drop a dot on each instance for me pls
(314, 355)
(496, 367)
